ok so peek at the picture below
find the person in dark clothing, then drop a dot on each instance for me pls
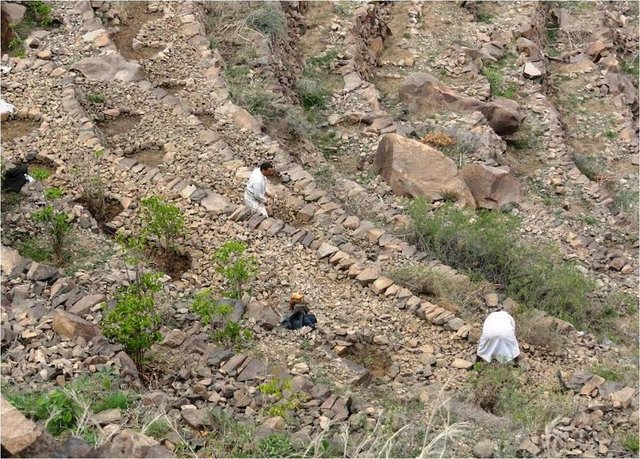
(300, 316)
(14, 179)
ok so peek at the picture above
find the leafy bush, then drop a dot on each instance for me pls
(232, 334)
(113, 400)
(237, 268)
(35, 249)
(134, 321)
(163, 221)
(631, 442)
(58, 229)
(282, 400)
(209, 310)
(40, 12)
(487, 245)
(269, 20)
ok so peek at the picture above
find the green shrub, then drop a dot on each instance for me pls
(323, 60)
(275, 445)
(163, 221)
(484, 17)
(232, 334)
(53, 193)
(487, 245)
(209, 310)
(269, 20)
(237, 268)
(311, 94)
(95, 98)
(39, 12)
(39, 173)
(58, 229)
(134, 321)
(158, 429)
(92, 185)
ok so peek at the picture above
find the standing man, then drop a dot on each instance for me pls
(255, 196)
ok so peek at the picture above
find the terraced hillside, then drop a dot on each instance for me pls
(437, 161)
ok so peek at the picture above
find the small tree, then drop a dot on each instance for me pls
(134, 254)
(58, 228)
(237, 268)
(162, 220)
(134, 322)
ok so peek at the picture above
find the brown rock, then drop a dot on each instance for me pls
(109, 66)
(128, 443)
(462, 364)
(414, 169)
(368, 274)
(491, 187)
(21, 433)
(72, 326)
(593, 383)
(262, 314)
(422, 93)
(83, 306)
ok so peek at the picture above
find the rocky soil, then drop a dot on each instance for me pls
(148, 84)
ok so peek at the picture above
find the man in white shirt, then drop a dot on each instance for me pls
(498, 339)
(255, 195)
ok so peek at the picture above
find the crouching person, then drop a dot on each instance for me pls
(498, 340)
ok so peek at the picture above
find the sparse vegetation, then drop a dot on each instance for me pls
(631, 442)
(89, 180)
(53, 193)
(495, 75)
(58, 229)
(216, 314)
(95, 98)
(486, 245)
(237, 268)
(275, 445)
(503, 390)
(268, 19)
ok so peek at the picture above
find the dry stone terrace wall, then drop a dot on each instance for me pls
(319, 244)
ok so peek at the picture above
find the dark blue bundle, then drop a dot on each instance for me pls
(298, 320)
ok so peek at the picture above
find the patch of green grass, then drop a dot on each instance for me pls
(118, 399)
(228, 437)
(589, 220)
(36, 250)
(591, 166)
(53, 193)
(275, 445)
(494, 73)
(311, 93)
(631, 442)
(95, 98)
(158, 429)
(323, 60)
(57, 409)
(631, 67)
(609, 134)
(10, 200)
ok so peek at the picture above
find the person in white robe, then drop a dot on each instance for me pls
(498, 340)
(256, 193)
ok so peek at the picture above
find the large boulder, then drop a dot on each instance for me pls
(128, 443)
(72, 326)
(14, 12)
(491, 187)
(423, 93)
(414, 169)
(109, 66)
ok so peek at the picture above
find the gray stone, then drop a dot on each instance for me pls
(484, 448)
(326, 250)
(38, 272)
(72, 326)
(108, 416)
(84, 305)
(110, 66)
